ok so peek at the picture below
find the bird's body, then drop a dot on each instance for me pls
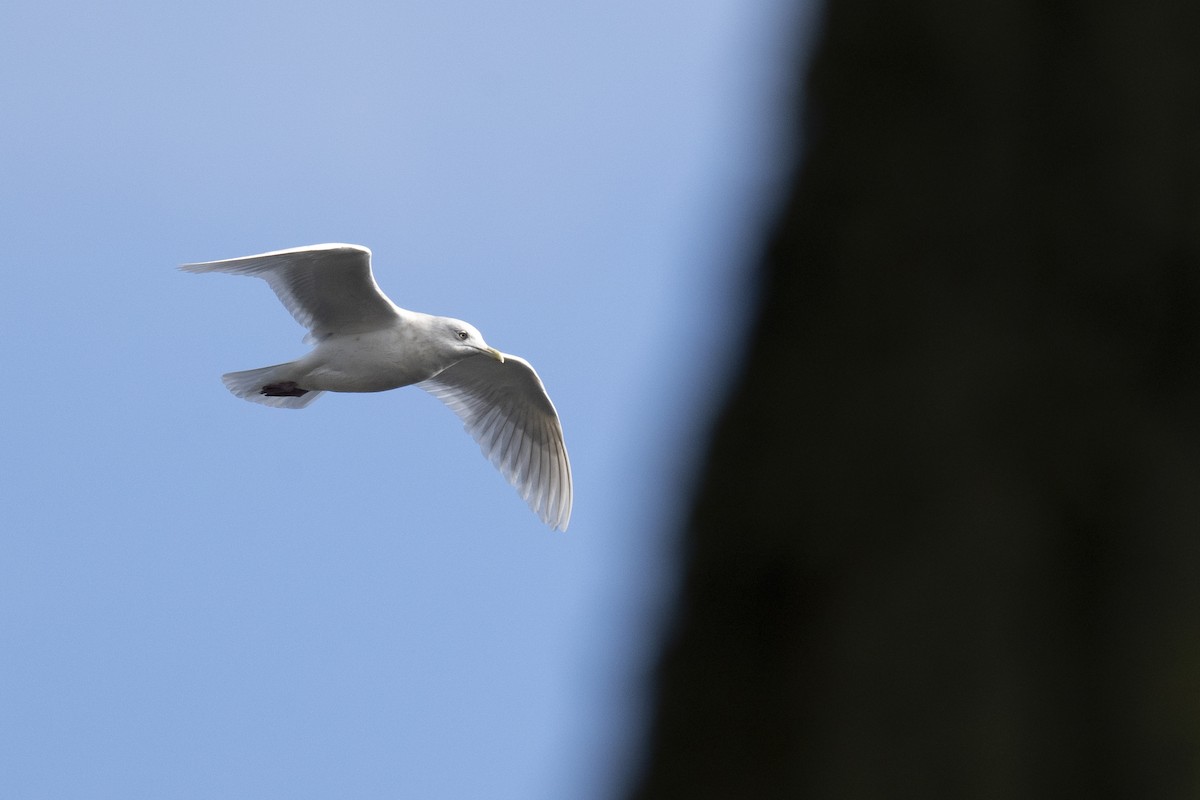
(370, 361)
(365, 343)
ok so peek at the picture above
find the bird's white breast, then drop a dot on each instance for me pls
(373, 361)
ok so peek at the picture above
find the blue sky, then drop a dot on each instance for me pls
(202, 597)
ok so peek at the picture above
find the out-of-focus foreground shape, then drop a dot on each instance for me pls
(947, 539)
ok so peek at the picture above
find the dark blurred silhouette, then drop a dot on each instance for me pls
(947, 539)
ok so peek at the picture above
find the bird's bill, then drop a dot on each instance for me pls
(494, 353)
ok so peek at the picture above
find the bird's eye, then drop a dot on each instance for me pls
(462, 335)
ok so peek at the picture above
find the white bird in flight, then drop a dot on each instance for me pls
(366, 343)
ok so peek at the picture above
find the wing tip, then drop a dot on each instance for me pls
(555, 510)
(213, 266)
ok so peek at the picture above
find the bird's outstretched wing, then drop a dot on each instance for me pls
(505, 408)
(328, 288)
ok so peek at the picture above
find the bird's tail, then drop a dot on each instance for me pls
(250, 385)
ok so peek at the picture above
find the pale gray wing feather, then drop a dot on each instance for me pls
(328, 288)
(505, 408)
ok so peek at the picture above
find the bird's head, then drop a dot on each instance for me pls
(467, 339)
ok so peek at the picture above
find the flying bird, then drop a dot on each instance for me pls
(363, 342)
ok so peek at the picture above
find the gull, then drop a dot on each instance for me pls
(363, 342)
